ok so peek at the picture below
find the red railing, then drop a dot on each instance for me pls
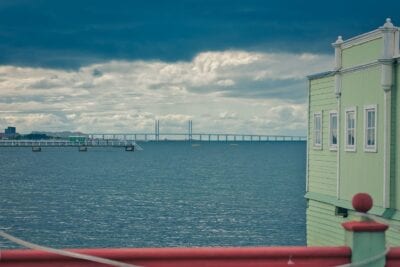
(192, 257)
(393, 257)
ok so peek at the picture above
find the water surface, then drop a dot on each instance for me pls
(171, 194)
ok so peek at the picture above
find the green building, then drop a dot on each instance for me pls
(354, 135)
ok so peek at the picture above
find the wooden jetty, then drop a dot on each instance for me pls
(36, 145)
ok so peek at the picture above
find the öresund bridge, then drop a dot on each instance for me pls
(129, 140)
(191, 136)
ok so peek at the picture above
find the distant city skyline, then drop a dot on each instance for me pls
(230, 66)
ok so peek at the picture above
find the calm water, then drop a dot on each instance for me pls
(170, 194)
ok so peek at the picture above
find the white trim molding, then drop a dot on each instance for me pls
(362, 38)
(338, 96)
(387, 129)
(350, 147)
(317, 134)
(338, 52)
(368, 126)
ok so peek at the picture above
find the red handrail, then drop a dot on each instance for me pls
(193, 257)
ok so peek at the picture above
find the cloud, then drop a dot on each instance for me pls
(231, 91)
(50, 33)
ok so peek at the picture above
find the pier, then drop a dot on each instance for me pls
(36, 145)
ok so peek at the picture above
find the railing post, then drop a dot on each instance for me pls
(365, 237)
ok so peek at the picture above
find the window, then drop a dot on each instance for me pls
(350, 133)
(333, 130)
(318, 130)
(341, 212)
(370, 128)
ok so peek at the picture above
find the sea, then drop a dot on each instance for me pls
(171, 194)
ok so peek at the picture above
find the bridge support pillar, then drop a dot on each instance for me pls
(130, 148)
(36, 149)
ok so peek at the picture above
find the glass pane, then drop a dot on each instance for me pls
(333, 133)
(369, 118)
(334, 138)
(334, 122)
(317, 130)
(350, 119)
(371, 137)
(350, 137)
(372, 118)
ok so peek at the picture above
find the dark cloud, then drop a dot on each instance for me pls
(45, 84)
(97, 73)
(293, 90)
(69, 34)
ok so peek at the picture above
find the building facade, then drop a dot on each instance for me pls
(10, 131)
(354, 135)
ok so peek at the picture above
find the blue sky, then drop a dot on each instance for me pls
(235, 66)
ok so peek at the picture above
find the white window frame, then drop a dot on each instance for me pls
(333, 147)
(370, 148)
(348, 147)
(317, 145)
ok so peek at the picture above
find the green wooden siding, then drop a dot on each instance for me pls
(362, 171)
(362, 54)
(393, 233)
(321, 162)
(323, 227)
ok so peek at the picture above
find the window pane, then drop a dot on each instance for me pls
(333, 132)
(369, 119)
(317, 129)
(333, 121)
(334, 138)
(348, 139)
(370, 125)
(371, 137)
(350, 128)
(348, 120)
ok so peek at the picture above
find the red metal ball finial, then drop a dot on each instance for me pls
(362, 202)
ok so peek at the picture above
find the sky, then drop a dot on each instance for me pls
(117, 66)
